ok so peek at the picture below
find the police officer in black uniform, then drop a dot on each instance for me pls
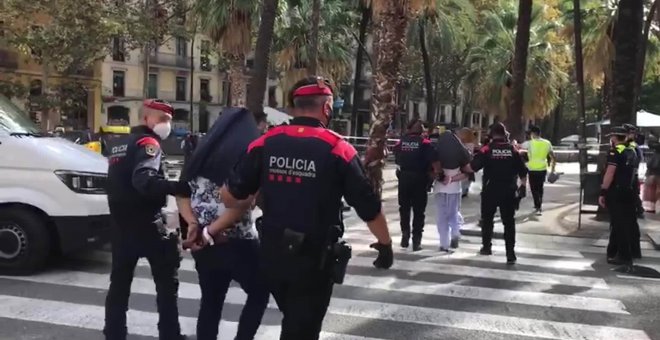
(137, 191)
(617, 194)
(631, 142)
(414, 155)
(302, 170)
(503, 167)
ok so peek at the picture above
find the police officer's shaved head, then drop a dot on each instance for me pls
(498, 130)
(416, 126)
(312, 97)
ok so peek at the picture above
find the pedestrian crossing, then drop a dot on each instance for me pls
(425, 295)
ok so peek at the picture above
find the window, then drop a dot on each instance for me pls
(226, 93)
(204, 60)
(204, 90)
(2, 28)
(35, 30)
(118, 83)
(36, 88)
(180, 88)
(152, 86)
(118, 49)
(181, 47)
(249, 63)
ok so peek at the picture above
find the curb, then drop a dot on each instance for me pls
(655, 239)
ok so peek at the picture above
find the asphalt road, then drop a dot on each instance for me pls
(560, 289)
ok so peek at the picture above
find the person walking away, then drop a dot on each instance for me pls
(651, 186)
(234, 255)
(452, 155)
(617, 195)
(503, 169)
(539, 151)
(137, 191)
(414, 156)
(302, 170)
(635, 236)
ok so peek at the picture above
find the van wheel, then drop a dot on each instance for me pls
(24, 241)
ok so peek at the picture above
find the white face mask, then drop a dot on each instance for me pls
(163, 130)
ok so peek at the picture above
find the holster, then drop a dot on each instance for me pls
(336, 255)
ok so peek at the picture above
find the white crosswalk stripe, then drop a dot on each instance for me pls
(468, 295)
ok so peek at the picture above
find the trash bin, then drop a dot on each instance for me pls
(591, 186)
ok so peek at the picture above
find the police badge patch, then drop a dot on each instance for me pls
(151, 150)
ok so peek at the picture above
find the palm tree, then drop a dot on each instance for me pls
(491, 62)
(445, 30)
(314, 39)
(519, 67)
(292, 40)
(390, 22)
(229, 24)
(627, 37)
(262, 56)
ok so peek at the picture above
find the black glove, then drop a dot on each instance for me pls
(385, 255)
(441, 176)
(522, 192)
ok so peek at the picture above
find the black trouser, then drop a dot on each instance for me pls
(129, 245)
(639, 208)
(503, 197)
(621, 207)
(412, 195)
(536, 181)
(303, 303)
(217, 266)
(300, 282)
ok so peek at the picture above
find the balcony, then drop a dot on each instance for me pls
(8, 59)
(169, 60)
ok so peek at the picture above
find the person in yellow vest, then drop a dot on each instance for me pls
(539, 153)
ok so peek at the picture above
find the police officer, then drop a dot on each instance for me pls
(302, 170)
(137, 191)
(414, 155)
(635, 234)
(503, 167)
(617, 194)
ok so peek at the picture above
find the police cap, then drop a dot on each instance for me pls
(158, 104)
(618, 131)
(630, 128)
(310, 86)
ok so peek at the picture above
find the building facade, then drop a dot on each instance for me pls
(83, 86)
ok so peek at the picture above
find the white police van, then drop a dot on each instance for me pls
(52, 196)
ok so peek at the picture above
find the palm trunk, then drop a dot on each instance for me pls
(514, 118)
(262, 57)
(359, 65)
(390, 25)
(626, 43)
(312, 68)
(428, 78)
(237, 80)
(557, 117)
(641, 54)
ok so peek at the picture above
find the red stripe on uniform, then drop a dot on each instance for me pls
(344, 150)
(147, 141)
(426, 141)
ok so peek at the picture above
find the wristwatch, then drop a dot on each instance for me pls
(207, 236)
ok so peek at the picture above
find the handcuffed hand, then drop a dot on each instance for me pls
(385, 255)
(194, 240)
(522, 191)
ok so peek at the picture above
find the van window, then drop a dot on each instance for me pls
(13, 120)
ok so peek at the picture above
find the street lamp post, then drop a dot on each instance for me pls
(579, 77)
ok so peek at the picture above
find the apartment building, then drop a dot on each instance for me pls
(169, 78)
(21, 68)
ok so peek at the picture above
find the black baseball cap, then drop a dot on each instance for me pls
(630, 128)
(535, 129)
(618, 131)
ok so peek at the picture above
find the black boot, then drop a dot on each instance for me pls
(405, 240)
(417, 243)
(511, 257)
(485, 251)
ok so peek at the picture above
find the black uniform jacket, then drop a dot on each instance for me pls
(302, 170)
(137, 187)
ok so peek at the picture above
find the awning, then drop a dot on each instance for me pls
(644, 119)
(275, 116)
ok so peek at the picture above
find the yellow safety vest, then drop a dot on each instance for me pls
(538, 152)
